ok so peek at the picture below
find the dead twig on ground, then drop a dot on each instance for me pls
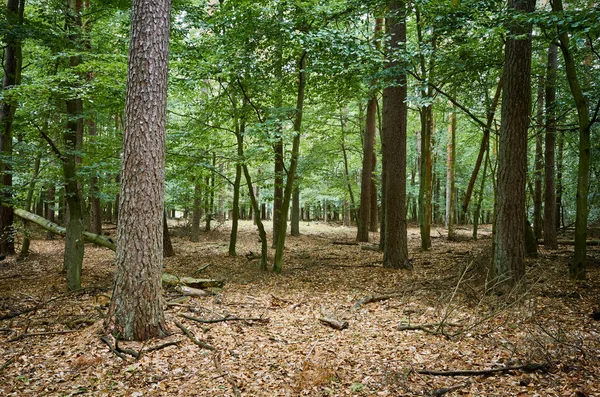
(112, 349)
(375, 298)
(226, 318)
(189, 334)
(225, 375)
(469, 372)
(29, 335)
(433, 328)
(334, 322)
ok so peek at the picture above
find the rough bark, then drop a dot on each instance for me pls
(509, 254)
(136, 311)
(550, 238)
(394, 124)
(12, 76)
(577, 267)
(168, 250)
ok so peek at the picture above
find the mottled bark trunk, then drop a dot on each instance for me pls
(12, 76)
(136, 310)
(509, 264)
(550, 237)
(394, 124)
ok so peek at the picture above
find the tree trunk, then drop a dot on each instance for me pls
(394, 124)
(51, 207)
(26, 240)
(346, 172)
(136, 308)
(364, 216)
(235, 211)
(295, 221)
(509, 264)
(13, 62)
(577, 267)
(450, 192)
(550, 237)
(538, 161)
(168, 250)
(480, 196)
(207, 206)
(425, 180)
(195, 227)
(278, 261)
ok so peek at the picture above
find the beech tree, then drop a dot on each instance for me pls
(135, 311)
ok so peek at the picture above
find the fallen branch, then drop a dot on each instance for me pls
(374, 298)
(112, 349)
(189, 334)
(54, 228)
(173, 280)
(202, 268)
(158, 347)
(467, 372)
(189, 291)
(334, 323)
(443, 390)
(223, 319)
(433, 329)
(370, 248)
(344, 243)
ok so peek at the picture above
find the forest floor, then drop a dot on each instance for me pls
(50, 340)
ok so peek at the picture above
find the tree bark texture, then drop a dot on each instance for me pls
(136, 311)
(538, 175)
(550, 237)
(509, 254)
(12, 76)
(235, 212)
(394, 124)
(195, 227)
(577, 267)
(425, 180)
(295, 221)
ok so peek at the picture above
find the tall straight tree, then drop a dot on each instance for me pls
(12, 73)
(135, 311)
(577, 267)
(450, 191)
(73, 139)
(550, 239)
(394, 124)
(509, 251)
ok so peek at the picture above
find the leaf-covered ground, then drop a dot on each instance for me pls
(53, 347)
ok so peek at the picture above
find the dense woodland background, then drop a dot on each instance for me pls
(469, 120)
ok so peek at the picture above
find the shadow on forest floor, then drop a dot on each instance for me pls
(441, 316)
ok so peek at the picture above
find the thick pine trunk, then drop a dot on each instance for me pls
(394, 124)
(550, 237)
(509, 254)
(136, 311)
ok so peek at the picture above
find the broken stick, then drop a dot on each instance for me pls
(468, 372)
(334, 323)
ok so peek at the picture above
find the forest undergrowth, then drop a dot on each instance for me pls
(270, 332)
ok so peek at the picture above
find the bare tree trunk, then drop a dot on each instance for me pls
(364, 216)
(550, 237)
(51, 209)
(295, 221)
(509, 262)
(278, 261)
(395, 253)
(538, 162)
(450, 192)
(168, 250)
(136, 308)
(195, 227)
(13, 61)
